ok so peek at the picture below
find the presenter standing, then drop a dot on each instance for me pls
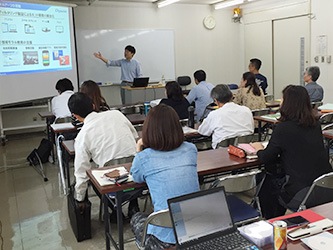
(130, 68)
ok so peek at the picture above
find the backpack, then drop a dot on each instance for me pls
(42, 152)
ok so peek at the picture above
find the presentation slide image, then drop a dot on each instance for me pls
(30, 57)
(40, 34)
(10, 58)
(64, 60)
(57, 54)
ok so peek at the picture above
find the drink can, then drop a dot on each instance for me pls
(147, 107)
(280, 235)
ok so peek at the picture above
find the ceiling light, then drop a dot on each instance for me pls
(164, 3)
(228, 4)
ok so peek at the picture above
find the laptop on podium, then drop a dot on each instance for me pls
(202, 220)
(140, 82)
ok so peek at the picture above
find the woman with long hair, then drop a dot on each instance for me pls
(169, 167)
(297, 144)
(250, 94)
(91, 89)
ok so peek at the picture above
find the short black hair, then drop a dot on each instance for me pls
(80, 104)
(64, 85)
(130, 48)
(174, 91)
(200, 75)
(256, 63)
(314, 72)
(221, 93)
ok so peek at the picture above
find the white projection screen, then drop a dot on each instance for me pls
(37, 49)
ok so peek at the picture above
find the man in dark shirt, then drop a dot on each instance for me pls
(261, 80)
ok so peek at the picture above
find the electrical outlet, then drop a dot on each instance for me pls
(323, 59)
(316, 59)
(328, 59)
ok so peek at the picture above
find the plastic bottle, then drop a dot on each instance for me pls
(147, 107)
(163, 80)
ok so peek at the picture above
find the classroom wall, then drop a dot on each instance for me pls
(219, 51)
(321, 25)
(258, 30)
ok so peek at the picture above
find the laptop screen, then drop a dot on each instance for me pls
(200, 216)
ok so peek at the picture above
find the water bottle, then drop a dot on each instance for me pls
(191, 116)
(147, 107)
(163, 80)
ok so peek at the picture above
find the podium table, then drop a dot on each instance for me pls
(144, 94)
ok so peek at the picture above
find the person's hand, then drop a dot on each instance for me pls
(257, 146)
(98, 55)
(139, 145)
(82, 206)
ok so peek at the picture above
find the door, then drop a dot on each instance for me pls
(290, 52)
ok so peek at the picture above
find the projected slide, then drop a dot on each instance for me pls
(34, 38)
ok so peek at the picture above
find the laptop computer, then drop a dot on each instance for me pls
(140, 82)
(202, 219)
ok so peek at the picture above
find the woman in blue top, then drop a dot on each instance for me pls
(169, 167)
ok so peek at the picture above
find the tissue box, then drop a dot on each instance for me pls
(261, 232)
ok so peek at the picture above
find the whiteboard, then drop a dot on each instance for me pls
(154, 50)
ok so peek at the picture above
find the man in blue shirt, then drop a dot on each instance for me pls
(130, 68)
(261, 80)
(315, 91)
(200, 94)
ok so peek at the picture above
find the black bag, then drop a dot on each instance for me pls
(43, 151)
(81, 223)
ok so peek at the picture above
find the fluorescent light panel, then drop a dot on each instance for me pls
(228, 4)
(165, 3)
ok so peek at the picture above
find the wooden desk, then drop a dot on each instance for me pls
(136, 119)
(272, 104)
(328, 134)
(144, 94)
(324, 210)
(209, 162)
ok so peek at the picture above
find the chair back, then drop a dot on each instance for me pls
(329, 126)
(119, 161)
(235, 140)
(269, 98)
(320, 192)
(326, 119)
(184, 80)
(237, 183)
(160, 218)
(133, 109)
(260, 112)
(232, 86)
(315, 105)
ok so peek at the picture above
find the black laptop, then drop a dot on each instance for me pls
(140, 82)
(203, 220)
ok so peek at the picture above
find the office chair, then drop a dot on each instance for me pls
(320, 192)
(232, 86)
(184, 81)
(242, 213)
(315, 105)
(160, 218)
(326, 119)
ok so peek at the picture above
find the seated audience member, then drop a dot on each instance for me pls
(59, 103)
(315, 91)
(229, 121)
(169, 167)
(91, 89)
(104, 136)
(200, 94)
(250, 94)
(176, 99)
(261, 80)
(297, 143)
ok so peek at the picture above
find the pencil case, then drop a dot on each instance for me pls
(239, 152)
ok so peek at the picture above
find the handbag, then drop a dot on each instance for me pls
(239, 152)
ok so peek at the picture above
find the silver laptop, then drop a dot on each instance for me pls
(202, 219)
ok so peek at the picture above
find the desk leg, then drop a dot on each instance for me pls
(120, 219)
(107, 221)
(259, 130)
(65, 160)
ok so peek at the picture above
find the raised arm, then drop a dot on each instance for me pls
(99, 56)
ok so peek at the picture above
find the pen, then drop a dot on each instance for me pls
(118, 184)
